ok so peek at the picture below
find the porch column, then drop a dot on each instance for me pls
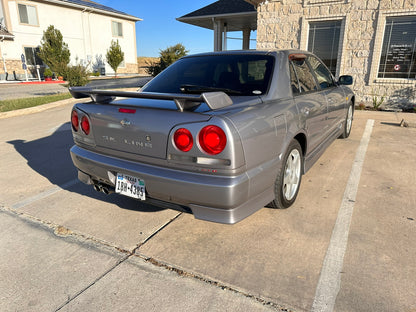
(218, 34)
(246, 38)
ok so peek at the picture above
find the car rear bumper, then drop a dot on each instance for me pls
(223, 199)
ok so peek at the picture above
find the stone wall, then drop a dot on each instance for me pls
(12, 66)
(143, 63)
(130, 68)
(284, 24)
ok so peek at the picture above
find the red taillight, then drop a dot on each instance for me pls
(74, 120)
(212, 140)
(85, 125)
(183, 140)
(127, 110)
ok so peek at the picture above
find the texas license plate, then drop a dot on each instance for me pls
(130, 186)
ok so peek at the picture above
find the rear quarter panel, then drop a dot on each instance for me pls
(266, 130)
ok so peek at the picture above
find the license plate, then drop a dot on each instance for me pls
(130, 186)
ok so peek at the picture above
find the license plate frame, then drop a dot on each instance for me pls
(130, 186)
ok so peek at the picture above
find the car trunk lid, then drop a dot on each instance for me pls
(136, 127)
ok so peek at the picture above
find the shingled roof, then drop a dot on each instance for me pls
(4, 34)
(238, 13)
(97, 7)
(223, 7)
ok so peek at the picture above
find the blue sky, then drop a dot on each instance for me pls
(160, 29)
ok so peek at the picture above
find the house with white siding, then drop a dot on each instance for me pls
(87, 27)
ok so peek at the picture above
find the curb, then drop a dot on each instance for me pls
(37, 109)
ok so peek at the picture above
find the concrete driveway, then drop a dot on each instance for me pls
(346, 245)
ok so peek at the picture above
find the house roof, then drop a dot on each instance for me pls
(222, 7)
(4, 34)
(238, 14)
(95, 7)
(255, 2)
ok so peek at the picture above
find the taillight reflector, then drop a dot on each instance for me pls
(212, 140)
(85, 125)
(74, 120)
(183, 140)
(127, 110)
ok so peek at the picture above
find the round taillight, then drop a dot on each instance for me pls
(183, 140)
(212, 140)
(75, 120)
(85, 125)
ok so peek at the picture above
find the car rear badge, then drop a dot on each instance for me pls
(125, 122)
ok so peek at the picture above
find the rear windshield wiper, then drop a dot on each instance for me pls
(188, 88)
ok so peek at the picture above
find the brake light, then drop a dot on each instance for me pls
(127, 110)
(85, 125)
(212, 140)
(74, 120)
(183, 140)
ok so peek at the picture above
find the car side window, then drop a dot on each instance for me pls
(294, 82)
(323, 75)
(307, 82)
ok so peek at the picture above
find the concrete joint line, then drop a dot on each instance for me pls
(126, 257)
(330, 279)
(94, 282)
(214, 283)
(44, 194)
(156, 232)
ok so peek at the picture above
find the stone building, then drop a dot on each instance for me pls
(372, 40)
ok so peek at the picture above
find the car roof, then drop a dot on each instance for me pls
(247, 52)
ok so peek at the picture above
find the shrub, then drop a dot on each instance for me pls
(47, 73)
(114, 56)
(167, 57)
(76, 75)
(53, 51)
(361, 106)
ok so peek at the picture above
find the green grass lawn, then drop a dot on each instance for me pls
(9, 105)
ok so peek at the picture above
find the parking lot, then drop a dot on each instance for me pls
(347, 244)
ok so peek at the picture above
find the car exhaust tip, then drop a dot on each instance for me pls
(105, 190)
(97, 187)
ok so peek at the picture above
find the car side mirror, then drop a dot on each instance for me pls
(345, 80)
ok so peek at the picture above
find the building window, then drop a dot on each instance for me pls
(324, 42)
(398, 54)
(32, 57)
(117, 29)
(28, 14)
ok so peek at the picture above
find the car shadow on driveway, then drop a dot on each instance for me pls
(50, 157)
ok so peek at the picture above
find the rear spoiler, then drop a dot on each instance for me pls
(214, 100)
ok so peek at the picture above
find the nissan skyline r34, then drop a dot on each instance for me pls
(220, 134)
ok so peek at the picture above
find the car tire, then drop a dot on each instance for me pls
(348, 122)
(288, 179)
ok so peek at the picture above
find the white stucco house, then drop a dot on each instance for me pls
(87, 27)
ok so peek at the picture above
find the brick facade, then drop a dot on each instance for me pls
(285, 24)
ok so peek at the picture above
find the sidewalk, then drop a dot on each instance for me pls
(61, 273)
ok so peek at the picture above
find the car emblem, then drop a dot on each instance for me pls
(125, 122)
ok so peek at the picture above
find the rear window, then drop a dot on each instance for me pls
(234, 74)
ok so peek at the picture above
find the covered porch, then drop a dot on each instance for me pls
(225, 16)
